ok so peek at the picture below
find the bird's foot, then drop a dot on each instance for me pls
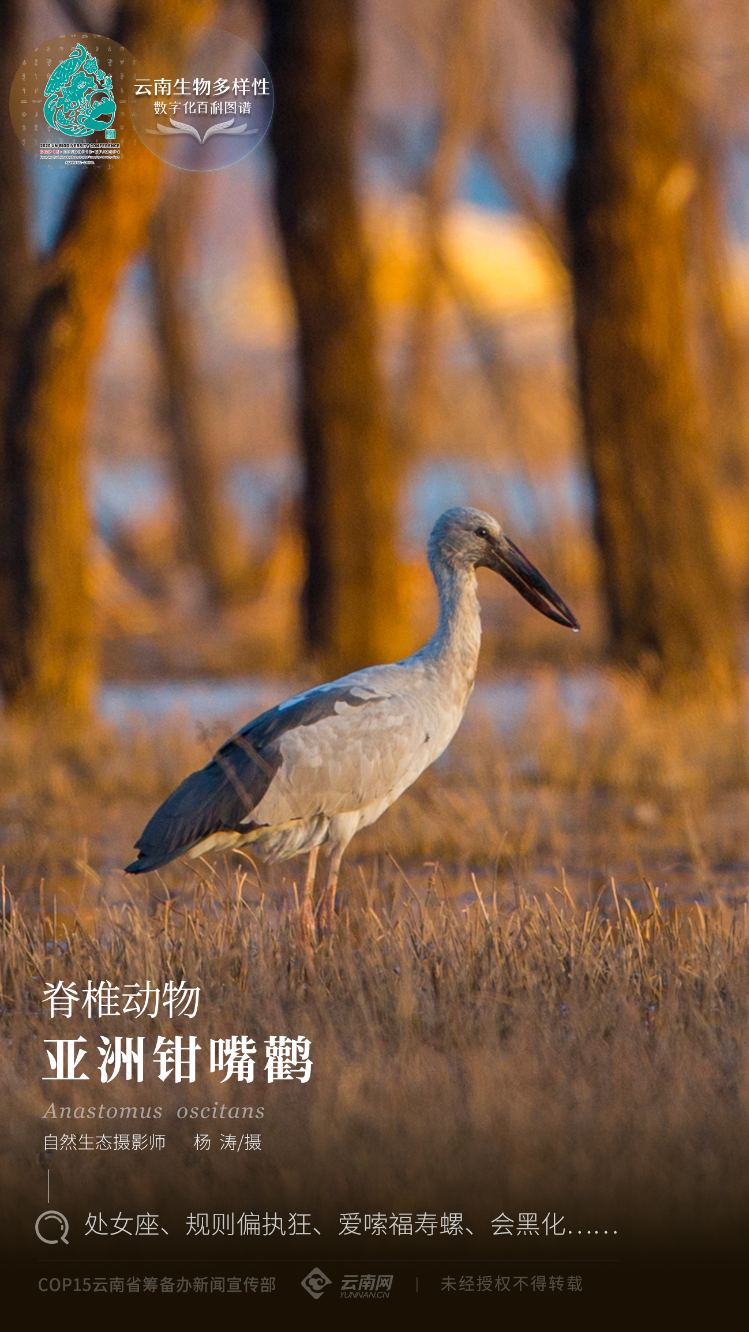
(307, 929)
(326, 914)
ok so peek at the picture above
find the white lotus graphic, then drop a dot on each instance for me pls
(224, 127)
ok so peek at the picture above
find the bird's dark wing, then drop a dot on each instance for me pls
(221, 795)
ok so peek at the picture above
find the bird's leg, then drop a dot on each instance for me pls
(326, 910)
(307, 915)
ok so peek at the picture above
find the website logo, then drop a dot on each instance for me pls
(366, 1287)
(315, 1282)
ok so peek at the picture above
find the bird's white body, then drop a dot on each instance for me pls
(340, 774)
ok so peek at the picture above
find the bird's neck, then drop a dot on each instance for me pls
(455, 645)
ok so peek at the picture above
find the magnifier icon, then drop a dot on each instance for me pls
(58, 1216)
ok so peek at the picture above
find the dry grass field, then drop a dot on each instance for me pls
(535, 997)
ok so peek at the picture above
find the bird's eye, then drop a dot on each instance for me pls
(482, 532)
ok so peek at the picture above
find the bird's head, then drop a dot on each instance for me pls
(466, 539)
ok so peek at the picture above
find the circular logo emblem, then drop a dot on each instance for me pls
(68, 100)
(211, 112)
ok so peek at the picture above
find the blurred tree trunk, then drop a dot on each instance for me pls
(633, 214)
(724, 357)
(352, 608)
(209, 537)
(47, 646)
(460, 113)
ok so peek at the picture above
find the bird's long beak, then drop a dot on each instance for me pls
(513, 565)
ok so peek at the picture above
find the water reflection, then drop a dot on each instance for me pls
(194, 700)
(504, 702)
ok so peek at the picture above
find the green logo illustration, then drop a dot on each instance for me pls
(78, 97)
